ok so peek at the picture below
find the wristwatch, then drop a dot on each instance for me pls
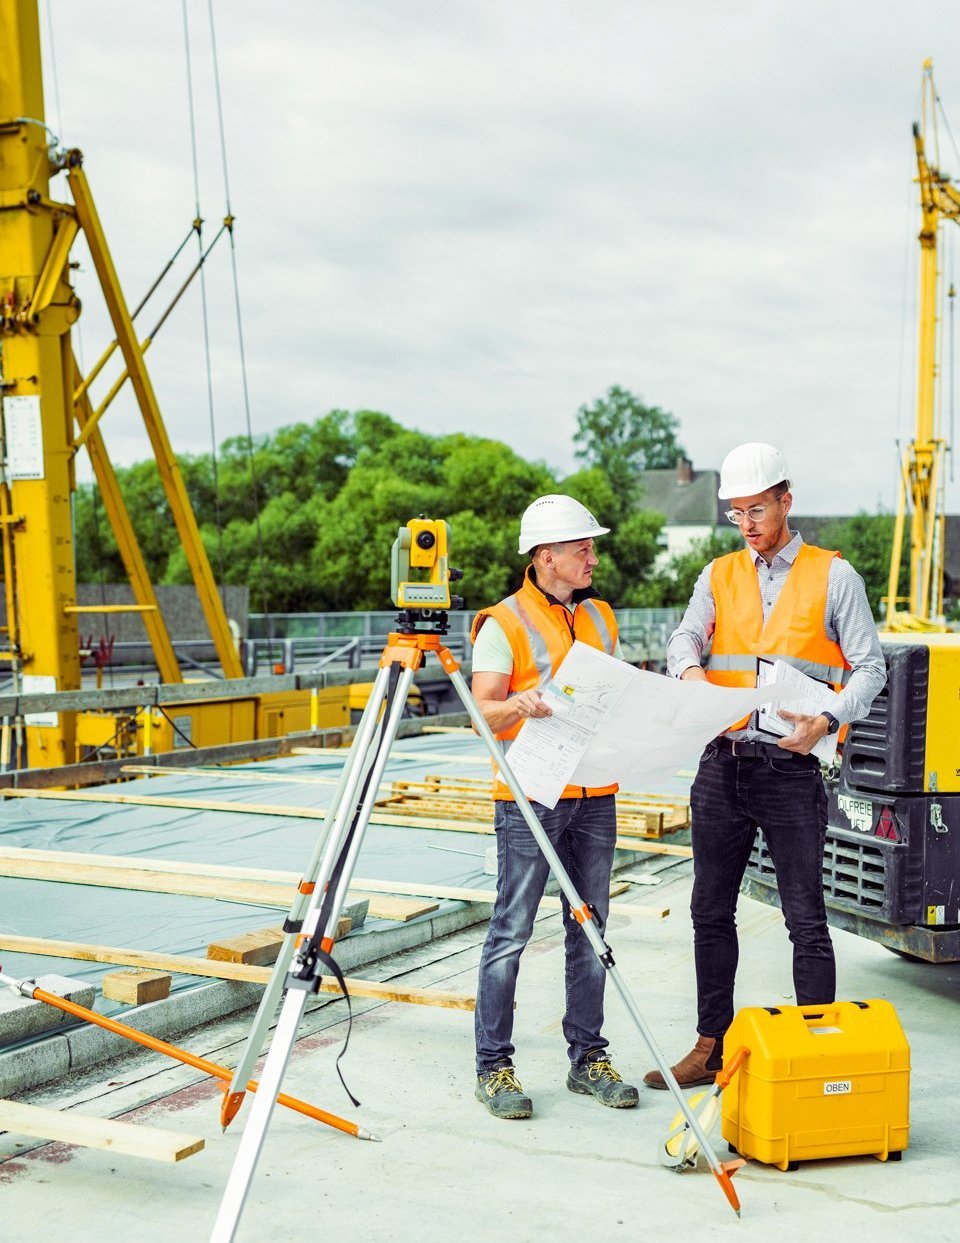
(832, 723)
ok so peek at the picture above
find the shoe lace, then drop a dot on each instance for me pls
(503, 1079)
(601, 1068)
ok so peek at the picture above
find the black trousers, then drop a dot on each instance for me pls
(731, 798)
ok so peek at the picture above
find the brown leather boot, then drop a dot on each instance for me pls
(699, 1067)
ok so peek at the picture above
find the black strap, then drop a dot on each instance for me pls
(314, 955)
(334, 970)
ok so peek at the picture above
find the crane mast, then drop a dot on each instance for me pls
(922, 467)
(44, 397)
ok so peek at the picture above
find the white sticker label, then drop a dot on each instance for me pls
(182, 731)
(24, 434)
(826, 1031)
(859, 811)
(40, 684)
(838, 1087)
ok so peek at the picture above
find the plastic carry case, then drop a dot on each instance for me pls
(820, 1081)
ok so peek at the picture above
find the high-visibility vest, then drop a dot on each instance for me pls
(540, 633)
(794, 631)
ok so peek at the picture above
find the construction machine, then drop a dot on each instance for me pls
(48, 414)
(892, 861)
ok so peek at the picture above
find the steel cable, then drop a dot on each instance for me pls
(229, 221)
(198, 229)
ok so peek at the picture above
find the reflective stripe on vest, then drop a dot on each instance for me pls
(538, 645)
(598, 619)
(823, 673)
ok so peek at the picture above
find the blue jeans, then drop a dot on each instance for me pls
(583, 832)
(730, 799)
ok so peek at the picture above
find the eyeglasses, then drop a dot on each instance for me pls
(754, 513)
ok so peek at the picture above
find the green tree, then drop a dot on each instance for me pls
(866, 541)
(628, 553)
(315, 529)
(622, 435)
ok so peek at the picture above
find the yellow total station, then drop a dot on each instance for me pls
(420, 565)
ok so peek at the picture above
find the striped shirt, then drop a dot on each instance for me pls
(847, 621)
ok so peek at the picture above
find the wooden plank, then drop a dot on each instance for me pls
(160, 800)
(225, 774)
(68, 1127)
(260, 946)
(185, 965)
(41, 862)
(247, 892)
(398, 909)
(136, 988)
(88, 870)
(654, 848)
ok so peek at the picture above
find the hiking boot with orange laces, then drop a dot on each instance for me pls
(500, 1090)
(595, 1076)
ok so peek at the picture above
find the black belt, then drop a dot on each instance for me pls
(753, 749)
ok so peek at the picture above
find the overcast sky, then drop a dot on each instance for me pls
(477, 216)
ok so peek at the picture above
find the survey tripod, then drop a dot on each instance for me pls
(310, 928)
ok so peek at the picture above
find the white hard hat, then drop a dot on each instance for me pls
(555, 519)
(751, 468)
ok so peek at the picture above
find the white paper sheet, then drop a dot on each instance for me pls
(811, 698)
(613, 723)
(583, 693)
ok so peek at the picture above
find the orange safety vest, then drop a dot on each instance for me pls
(793, 632)
(541, 631)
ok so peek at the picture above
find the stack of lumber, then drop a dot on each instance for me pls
(468, 799)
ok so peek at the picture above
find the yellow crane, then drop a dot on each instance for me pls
(922, 467)
(47, 416)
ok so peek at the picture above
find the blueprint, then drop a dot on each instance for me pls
(612, 723)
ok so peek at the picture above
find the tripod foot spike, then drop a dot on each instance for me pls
(230, 1107)
(724, 1177)
(363, 1133)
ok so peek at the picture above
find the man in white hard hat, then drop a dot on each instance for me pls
(777, 598)
(518, 645)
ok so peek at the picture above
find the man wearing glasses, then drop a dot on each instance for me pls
(777, 598)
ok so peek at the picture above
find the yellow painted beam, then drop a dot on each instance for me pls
(127, 544)
(167, 466)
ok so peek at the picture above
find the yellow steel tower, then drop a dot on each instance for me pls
(43, 396)
(922, 475)
(35, 357)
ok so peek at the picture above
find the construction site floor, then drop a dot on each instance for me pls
(445, 1167)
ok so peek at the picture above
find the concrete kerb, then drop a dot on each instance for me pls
(22, 1018)
(47, 1060)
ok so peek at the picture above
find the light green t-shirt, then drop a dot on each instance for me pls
(492, 654)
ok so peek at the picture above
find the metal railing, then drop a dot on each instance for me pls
(352, 640)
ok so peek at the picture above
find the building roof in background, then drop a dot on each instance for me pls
(685, 495)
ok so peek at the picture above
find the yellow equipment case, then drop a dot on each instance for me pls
(820, 1081)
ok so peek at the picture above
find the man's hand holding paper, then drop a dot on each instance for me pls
(624, 725)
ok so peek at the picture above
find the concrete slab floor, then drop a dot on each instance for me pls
(447, 1169)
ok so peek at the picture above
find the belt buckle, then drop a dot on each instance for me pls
(733, 746)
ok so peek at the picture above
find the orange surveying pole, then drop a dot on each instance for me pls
(27, 988)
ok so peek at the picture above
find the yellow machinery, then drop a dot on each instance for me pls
(819, 1081)
(892, 860)
(922, 474)
(48, 415)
